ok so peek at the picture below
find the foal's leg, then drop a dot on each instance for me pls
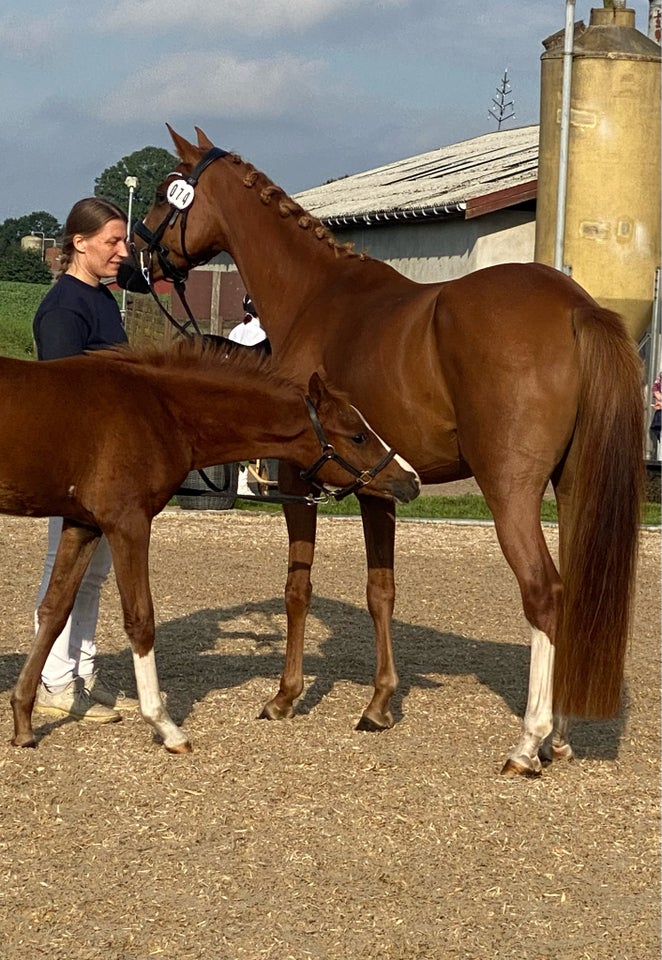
(77, 544)
(517, 522)
(378, 516)
(130, 548)
(301, 523)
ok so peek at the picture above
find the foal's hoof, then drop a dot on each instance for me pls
(521, 768)
(184, 747)
(374, 726)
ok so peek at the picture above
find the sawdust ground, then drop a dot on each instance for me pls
(306, 839)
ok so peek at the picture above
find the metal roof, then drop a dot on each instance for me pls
(465, 179)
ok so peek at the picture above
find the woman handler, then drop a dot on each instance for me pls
(77, 314)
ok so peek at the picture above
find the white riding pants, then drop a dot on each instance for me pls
(74, 650)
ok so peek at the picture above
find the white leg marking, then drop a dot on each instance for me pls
(151, 704)
(561, 747)
(538, 715)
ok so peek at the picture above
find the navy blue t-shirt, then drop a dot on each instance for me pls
(74, 317)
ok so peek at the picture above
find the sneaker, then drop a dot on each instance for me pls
(102, 693)
(74, 701)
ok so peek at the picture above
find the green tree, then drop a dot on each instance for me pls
(150, 165)
(38, 222)
(23, 266)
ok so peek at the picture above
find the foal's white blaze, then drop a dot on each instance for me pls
(401, 462)
(538, 716)
(151, 704)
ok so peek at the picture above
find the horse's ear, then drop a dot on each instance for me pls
(317, 389)
(203, 140)
(185, 149)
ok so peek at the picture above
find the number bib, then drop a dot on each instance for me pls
(180, 194)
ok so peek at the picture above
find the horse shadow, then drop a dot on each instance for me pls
(424, 656)
(191, 665)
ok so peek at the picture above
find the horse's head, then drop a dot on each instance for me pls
(179, 220)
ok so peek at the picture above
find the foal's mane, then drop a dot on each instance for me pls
(192, 355)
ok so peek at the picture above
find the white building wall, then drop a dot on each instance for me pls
(443, 250)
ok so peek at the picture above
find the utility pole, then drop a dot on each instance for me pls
(131, 183)
(503, 109)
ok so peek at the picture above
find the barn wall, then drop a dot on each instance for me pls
(214, 293)
(444, 250)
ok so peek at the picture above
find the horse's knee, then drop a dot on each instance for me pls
(140, 630)
(380, 594)
(297, 595)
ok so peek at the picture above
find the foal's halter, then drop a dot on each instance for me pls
(362, 477)
(142, 260)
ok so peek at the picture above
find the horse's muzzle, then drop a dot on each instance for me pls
(130, 276)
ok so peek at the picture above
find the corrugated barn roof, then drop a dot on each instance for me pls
(464, 179)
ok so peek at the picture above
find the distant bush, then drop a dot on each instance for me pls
(23, 266)
(18, 305)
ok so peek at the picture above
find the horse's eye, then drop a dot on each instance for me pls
(160, 196)
(359, 438)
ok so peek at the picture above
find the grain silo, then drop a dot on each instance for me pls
(612, 218)
(31, 243)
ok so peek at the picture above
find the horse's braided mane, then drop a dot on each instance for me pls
(287, 207)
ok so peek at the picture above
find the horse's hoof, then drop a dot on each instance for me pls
(23, 741)
(513, 768)
(272, 712)
(549, 752)
(184, 747)
(374, 726)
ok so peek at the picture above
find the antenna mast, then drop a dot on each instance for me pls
(503, 109)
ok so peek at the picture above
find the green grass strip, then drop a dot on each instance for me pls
(465, 507)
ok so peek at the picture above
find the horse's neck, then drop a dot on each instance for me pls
(231, 419)
(281, 263)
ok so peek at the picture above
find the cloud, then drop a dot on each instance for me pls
(22, 38)
(252, 19)
(212, 85)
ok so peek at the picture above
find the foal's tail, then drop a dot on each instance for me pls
(599, 548)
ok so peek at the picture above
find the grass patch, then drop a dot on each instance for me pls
(466, 507)
(18, 305)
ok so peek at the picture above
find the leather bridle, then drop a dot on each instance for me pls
(135, 273)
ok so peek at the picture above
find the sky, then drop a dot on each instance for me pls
(307, 90)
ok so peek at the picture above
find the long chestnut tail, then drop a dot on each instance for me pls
(600, 544)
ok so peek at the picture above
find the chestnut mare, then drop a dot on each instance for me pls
(105, 440)
(512, 374)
